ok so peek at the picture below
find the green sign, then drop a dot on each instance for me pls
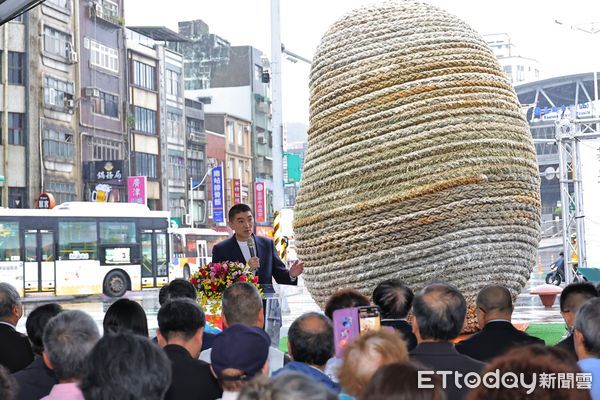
(175, 222)
(294, 167)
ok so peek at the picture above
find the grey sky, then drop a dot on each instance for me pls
(530, 23)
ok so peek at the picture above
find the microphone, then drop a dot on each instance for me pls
(252, 247)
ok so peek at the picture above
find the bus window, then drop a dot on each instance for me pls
(177, 244)
(117, 232)
(10, 247)
(77, 240)
(190, 247)
(161, 254)
(31, 248)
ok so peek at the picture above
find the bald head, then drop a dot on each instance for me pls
(495, 302)
(310, 339)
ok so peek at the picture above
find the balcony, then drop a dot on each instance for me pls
(105, 11)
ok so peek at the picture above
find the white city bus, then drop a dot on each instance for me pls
(191, 248)
(86, 248)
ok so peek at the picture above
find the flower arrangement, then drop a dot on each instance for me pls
(213, 278)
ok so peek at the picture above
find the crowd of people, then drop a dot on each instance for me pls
(416, 355)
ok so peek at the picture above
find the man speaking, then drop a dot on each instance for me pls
(257, 251)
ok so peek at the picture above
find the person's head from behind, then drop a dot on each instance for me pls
(365, 355)
(37, 321)
(242, 304)
(177, 289)
(125, 366)
(394, 298)
(572, 297)
(238, 354)
(241, 221)
(11, 309)
(285, 386)
(181, 322)
(400, 381)
(68, 339)
(125, 315)
(493, 302)
(439, 311)
(8, 386)
(587, 329)
(344, 298)
(528, 361)
(310, 339)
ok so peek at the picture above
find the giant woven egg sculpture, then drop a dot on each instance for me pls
(420, 165)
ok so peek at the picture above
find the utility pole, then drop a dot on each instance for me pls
(276, 97)
(5, 114)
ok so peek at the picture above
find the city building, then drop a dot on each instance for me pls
(143, 123)
(196, 162)
(215, 156)
(19, 186)
(238, 182)
(53, 103)
(101, 101)
(517, 68)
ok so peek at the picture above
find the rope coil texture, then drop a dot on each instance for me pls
(420, 165)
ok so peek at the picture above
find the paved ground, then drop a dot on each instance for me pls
(528, 307)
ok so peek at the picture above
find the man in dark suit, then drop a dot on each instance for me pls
(394, 298)
(37, 380)
(258, 252)
(571, 299)
(180, 327)
(15, 349)
(497, 334)
(440, 311)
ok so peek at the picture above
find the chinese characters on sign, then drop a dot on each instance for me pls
(46, 201)
(237, 191)
(217, 194)
(259, 196)
(136, 189)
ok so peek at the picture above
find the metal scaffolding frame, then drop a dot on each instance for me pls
(569, 134)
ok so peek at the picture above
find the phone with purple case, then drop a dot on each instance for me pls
(345, 328)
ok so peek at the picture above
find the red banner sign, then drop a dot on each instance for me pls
(259, 200)
(237, 191)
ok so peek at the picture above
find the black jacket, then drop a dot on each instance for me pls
(35, 381)
(405, 329)
(568, 344)
(443, 357)
(15, 349)
(271, 265)
(496, 338)
(192, 378)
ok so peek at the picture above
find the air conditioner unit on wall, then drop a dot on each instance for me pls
(70, 103)
(72, 55)
(92, 92)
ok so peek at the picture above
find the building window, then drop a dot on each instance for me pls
(57, 92)
(240, 134)
(520, 73)
(62, 191)
(58, 144)
(17, 196)
(230, 169)
(174, 125)
(63, 4)
(195, 125)
(173, 83)
(110, 9)
(240, 169)
(175, 207)
(106, 104)
(176, 168)
(195, 169)
(104, 57)
(145, 120)
(106, 149)
(16, 128)
(144, 75)
(16, 70)
(230, 133)
(146, 165)
(57, 42)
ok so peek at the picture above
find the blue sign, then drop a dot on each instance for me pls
(217, 194)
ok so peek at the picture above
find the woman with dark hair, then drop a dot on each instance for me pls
(125, 315)
(400, 381)
(533, 362)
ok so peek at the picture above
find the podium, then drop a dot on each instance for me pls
(272, 313)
